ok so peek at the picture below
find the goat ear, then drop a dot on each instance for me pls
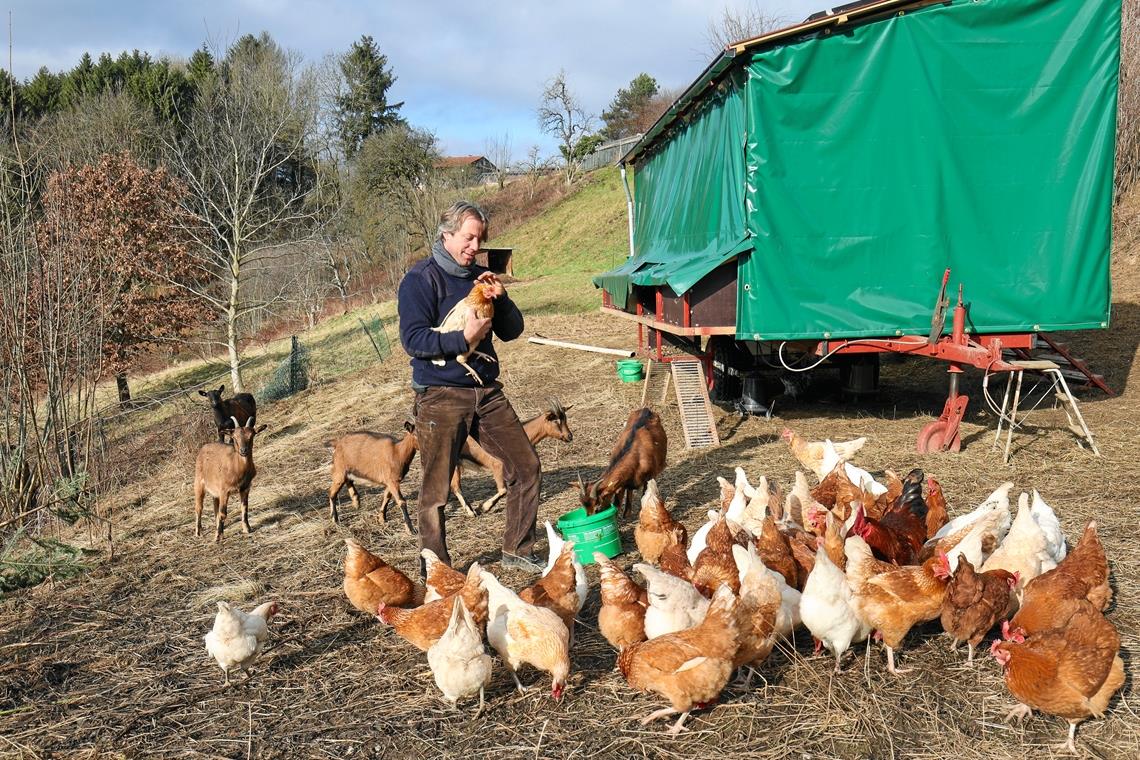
(203, 393)
(259, 429)
(220, 389)
(409, 426)
(567, 408)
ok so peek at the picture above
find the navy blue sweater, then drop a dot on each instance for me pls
(427, 293)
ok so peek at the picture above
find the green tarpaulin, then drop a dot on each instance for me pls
(974, 135)
(689, 201)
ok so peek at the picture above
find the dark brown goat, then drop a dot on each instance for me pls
(550, 424)
(242, 407)
(373, 459)
(636, 458)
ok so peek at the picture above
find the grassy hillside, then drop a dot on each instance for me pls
(572, 241)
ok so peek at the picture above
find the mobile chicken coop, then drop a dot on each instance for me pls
(814, 193)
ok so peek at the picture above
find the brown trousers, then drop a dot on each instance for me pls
(445, 416)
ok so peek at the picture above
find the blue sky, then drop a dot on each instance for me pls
(467, 71)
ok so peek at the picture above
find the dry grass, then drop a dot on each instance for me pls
(112, 664)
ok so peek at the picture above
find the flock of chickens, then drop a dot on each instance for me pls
(847, 559)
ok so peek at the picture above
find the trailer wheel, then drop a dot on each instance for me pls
(932, 437)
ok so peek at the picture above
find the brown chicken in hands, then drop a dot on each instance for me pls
(1071, 672)
(656, 528)
(622, 616)
(440, 578)
(689, 667)
(370, 581)
(975, 602)
(558, 589)
(423, 625)
(479, 302)
(1051, 597)
(813, 454)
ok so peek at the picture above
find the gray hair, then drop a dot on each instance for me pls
(452, 219)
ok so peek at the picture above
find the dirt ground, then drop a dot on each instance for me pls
(112, 664)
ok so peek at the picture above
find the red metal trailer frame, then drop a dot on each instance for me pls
(959, 349)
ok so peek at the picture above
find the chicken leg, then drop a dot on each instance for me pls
(891, 663)
(1071, 744)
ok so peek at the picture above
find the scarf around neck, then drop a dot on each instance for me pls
(448, 264)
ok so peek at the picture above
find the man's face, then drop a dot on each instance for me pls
(464, 244)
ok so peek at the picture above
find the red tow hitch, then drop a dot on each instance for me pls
(943, 433)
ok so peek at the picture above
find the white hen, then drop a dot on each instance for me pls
(458, 660)
(674, 604)
(995, 509)
(1028, 549)
(828, 609)
(753, 571)
(237, 637)
(523, 633)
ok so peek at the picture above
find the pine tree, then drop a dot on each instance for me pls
(621, 117)
(363, 109)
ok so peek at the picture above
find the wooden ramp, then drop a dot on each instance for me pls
(693, 401)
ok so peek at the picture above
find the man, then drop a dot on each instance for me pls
(450, 403)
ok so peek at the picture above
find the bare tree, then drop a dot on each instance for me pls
(561, 116)
(499, 153)
(247, 156)
(533, 166)
(740, 24)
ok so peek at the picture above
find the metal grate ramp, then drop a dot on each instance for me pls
(693, 402)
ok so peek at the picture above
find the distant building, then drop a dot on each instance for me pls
(472, 170)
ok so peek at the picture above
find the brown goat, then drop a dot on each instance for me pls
(550, 424)
(373, 459)
(636, 458)
(221, 470)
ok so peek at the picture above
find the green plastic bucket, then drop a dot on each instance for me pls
(591, 533)
(630, 370)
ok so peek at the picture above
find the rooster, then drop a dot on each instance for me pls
(479, 302)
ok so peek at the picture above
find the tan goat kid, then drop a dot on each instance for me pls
(550, 424)
(374, 459)
(223, 469)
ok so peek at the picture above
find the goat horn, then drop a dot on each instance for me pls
(593, 493)
(249, 422)
(236, 425)
(581, 485)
